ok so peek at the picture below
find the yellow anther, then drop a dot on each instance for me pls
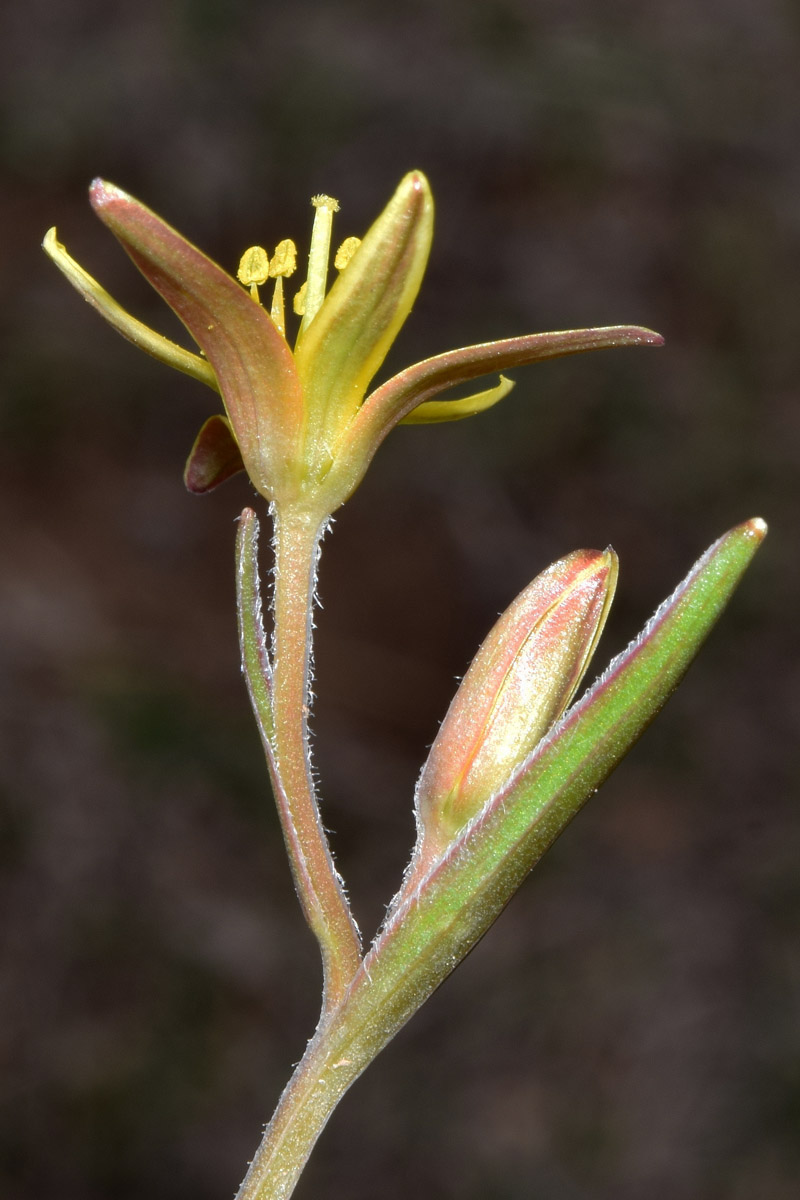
(299, 302)
(346, 252)
(253, 267)
(284, 260)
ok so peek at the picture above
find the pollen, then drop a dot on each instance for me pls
(284, 260)
(299, 302)
(253, 267)
(346, 252)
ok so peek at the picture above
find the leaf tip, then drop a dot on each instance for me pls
(641, 336)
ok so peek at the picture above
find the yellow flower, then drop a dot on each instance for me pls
(300, 420)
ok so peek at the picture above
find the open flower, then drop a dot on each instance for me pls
(300, 421)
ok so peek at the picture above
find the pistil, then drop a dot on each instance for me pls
(318, 256)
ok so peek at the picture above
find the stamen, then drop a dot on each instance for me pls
(283, 263)
(284, 260)
(346, 252)
(299, 302)
(277, 311)
(318, 256)
(253, 269)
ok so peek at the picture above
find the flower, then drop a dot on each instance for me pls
(300, 421)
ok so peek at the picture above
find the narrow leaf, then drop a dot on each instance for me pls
(256, 664)
(430, 929)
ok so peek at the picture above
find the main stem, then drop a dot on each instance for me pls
(296, 541)
(322, 1077)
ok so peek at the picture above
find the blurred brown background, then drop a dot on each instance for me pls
(630, 1027)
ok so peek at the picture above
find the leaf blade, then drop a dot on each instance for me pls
(256, 665)
(429, 930)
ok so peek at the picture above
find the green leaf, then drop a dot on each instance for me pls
(256, 665)
(431, 927)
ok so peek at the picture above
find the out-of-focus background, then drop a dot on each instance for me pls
(630, 1026)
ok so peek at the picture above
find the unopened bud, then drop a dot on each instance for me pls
(519, 683)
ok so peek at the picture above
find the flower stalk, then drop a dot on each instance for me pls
(296, 544)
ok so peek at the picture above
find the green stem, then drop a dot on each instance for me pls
(296, 541)
(347, 1040)
(318, 1084)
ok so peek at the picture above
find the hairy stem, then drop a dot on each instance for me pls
(297, 538)
(318, 1084)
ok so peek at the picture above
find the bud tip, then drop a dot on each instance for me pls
(102, 193)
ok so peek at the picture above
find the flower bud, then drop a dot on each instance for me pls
(518, 685)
